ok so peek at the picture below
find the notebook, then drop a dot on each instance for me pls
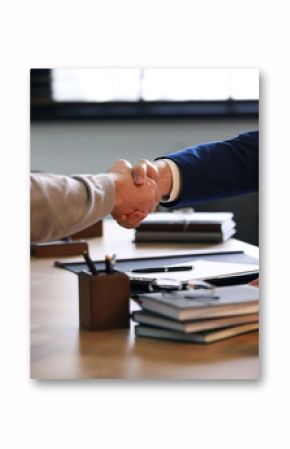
(155, 320)
(180, 221)
(187, 305)
(198, 337)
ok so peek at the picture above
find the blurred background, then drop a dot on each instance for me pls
(82, 120)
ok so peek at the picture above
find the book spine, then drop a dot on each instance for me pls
(178, 237)
(186, 226)
(179, 227)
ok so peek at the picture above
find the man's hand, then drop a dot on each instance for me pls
(158, 170)
(132, 202)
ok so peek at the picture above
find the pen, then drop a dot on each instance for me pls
(163, 269)
(110, 263)
(90, 263)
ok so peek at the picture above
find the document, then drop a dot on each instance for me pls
(201, 269)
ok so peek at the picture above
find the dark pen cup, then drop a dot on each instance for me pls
(103, 300)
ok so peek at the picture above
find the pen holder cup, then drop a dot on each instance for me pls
(104, 300)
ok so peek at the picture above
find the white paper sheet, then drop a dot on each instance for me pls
(202, 269)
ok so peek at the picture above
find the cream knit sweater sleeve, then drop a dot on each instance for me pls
(62, 205)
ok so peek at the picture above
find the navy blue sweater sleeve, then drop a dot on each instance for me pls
(217, 169)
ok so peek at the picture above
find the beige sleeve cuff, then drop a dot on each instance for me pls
(175, 182)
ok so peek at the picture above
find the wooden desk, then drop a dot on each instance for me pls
(59, 350)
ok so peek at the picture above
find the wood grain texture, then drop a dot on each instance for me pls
(60, 350)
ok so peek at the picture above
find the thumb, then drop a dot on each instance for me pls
(139, 172)
(152, 171)
(142, 169)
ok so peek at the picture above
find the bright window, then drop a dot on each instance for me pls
(153, 84)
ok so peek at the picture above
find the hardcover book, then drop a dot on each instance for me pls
(186, 227)
(155, 320)
(188, 305)
(208, 336)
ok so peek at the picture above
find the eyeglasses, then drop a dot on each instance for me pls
(198, 289)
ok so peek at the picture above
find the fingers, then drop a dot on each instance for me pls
(157, 196)
(153, 195)
(131, 220)
(146, 199)
(121, 165)
(142, 169)
(134, 202)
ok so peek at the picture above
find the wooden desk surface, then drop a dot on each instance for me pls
(59, 350)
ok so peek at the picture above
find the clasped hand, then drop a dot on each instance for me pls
(136, 191)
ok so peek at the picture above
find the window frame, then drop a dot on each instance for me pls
(44, 108)
(53, 111)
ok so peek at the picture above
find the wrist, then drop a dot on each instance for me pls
(117, 181)
(164, 181)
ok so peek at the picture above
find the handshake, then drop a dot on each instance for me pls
(138, 189)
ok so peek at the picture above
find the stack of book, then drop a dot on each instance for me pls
(186, 227)
(185, 316)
